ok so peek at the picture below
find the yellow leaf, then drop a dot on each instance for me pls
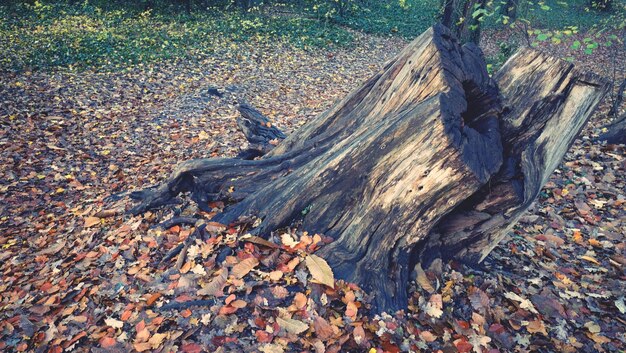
(321, 272)
(156, 340)
(203, 135)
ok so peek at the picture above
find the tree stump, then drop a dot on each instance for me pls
(426, 159)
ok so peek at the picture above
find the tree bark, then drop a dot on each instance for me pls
(422, 139)
(509, 9)
(447, 14)
(615, 132)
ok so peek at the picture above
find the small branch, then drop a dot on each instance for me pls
(175, 221)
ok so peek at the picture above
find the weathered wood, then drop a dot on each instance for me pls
(548, 101)
(262, 135)
(419, 140)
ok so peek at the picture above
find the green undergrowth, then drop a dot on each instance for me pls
(46, 35)
(407, 19)
(106, 35)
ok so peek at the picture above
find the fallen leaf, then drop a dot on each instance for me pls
(592, 327)
(322, 328)
(434, 306)
(215, 286)
(244, 267)
(114, 323)
(91, 221)
(153, 298)
(319, 269)
(292, 326)
(537, 326)
(523, 303)
(423, 280)
(359, 335)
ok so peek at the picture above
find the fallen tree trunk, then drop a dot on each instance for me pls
(427, 138)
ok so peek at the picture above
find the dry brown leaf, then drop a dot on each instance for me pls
(276, 275)
(537, 326)
(323, 329)
(214, 287)
(91, 221)
(423, 280)
(244, 267)
(590, 259)
(239, 304)
(299, 301)
(359, 335)
(156, 340)
(153, 298)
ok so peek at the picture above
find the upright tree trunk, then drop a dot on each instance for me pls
(447, 14)
(468, 30)
(427, 138)
(509, 9)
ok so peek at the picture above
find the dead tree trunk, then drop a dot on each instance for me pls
(421, 140)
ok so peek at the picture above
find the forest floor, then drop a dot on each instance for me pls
(78, 273)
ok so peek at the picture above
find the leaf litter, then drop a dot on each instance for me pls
(79, 274)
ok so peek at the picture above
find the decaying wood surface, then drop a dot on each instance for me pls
(547, 103)
(427, 136)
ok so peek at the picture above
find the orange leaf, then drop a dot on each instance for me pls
(91, 221)
(299, 301)
(229, 299)
(191, 348)
(351, 310)
(153, 298)
(107, 342)
(227, 310)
